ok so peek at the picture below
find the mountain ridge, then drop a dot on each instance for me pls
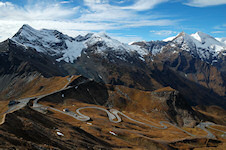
(66, 48)
(159, 93)
(142, 65)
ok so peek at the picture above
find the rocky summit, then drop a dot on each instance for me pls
(95, 92)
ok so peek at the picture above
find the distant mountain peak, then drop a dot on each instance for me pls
(101, 34)
(46, 41)
(63, 47)
(201, 37)
(26, 26)
(200, 44)
(181, 34)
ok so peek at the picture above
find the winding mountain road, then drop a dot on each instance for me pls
(113, 115)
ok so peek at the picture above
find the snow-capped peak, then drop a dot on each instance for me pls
(26, 27)
(209, 42)
(45, 41)
(200, 36)
(131, 43)
(185, 41)
(173, 37)
(201, 44)
(222, 40)
(66, 48)
(206, 39)
(113, 44)
(169, 38)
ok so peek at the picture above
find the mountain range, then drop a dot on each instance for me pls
(194, 61)
(182, 78)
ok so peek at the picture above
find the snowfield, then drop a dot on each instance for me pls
(54, 43)
(68, 49)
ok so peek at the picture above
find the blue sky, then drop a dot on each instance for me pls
(125, 20)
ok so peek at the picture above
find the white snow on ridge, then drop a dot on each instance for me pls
(209, 42)
(223, 40)
(45, 41)
(68, 49)
(72, 52)
(113, 44)
(169, 38)
(200, 43)
(54, 43)
(131, 43)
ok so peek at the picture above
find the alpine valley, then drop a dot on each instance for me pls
(95, 92)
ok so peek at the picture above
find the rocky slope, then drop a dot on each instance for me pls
(149, 81)
(20, 65)
(68, 49)
(196, 60)
(29, 129)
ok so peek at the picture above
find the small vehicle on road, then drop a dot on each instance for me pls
(13, 102)
(66, 110)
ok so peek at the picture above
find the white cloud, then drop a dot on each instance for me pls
(125, 38)
(217, 32)
(205, 3)
(140, 5)
(34, 12)
(220, 27)
(10, 27)
(163, 32)
(97, 15)
(121, 2)
(66, 2)
(102, 11)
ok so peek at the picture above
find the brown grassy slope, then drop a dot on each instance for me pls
(150, 103)
(217, 114)
(27, 128)
(41, 86)
(129, 133)
(3, 108)
(135, 100)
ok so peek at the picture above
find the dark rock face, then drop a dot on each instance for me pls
(191, 61)
(18, 59)
(196, 80)
(83, 90)
(117, 73)
(178, 109)
(193, 92)
(195, 70)
(152, 46)
(20, 65)
(166, 65)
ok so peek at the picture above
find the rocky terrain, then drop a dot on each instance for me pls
(163, 91)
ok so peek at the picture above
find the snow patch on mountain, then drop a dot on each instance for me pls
(72, 52)
(46, 41)
(209, 42)
(169, 38)
(113, 44)
(223, 40)
(201, 44)
(66, 48)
